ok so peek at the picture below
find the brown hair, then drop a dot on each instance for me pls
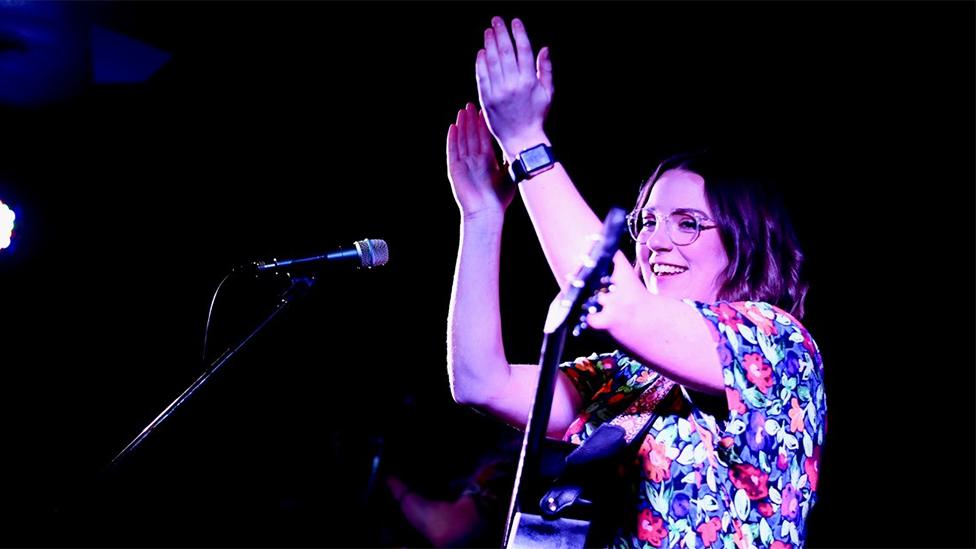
(764, 255)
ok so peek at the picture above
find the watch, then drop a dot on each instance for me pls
(531, 162)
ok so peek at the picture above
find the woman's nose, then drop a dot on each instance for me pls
(659, 239)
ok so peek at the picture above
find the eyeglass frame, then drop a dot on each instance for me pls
(697, 215)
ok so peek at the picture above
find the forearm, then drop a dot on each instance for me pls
(562, 219)
(476, 356)
(673, 339)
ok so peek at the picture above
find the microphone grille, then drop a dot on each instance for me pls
(373, 252)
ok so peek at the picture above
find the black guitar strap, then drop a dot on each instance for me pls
(615, 439)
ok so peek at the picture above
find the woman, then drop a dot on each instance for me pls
(733, 456)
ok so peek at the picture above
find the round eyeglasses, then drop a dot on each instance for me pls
(683, 225)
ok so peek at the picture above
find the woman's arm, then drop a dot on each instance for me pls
(479, 372)
(662, 332)
(515, 96)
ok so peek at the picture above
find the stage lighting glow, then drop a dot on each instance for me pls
(7, 217)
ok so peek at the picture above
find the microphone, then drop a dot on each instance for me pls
(368, 253)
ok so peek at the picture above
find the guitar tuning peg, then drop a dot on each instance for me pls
(586, 260)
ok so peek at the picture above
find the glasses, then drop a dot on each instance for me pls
(684, 226)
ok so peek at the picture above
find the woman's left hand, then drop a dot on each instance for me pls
(622, 299)
(478, 183)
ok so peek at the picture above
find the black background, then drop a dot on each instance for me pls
(282, 130)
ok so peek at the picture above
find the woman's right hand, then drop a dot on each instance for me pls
(479, 186)
(515, 92)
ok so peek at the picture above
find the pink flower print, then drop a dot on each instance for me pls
(735, 400)
(650, 528)
(749, 478)
(709, 531)
(811, 466)
(753, 313)
(796, 416)
(791, 503)
(758, 371)
(727, 316)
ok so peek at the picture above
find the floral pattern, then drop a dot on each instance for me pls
(745, 477)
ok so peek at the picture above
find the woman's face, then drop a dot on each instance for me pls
(690, 271)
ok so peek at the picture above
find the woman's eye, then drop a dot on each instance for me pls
(687, 224)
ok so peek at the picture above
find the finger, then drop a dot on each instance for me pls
(523, 48)
(597, 320)
(461, 141)
(543, 69)
(452, 144)
(506, 52)
(491, 55)
(472, 142)
(621, 267)
(481, 76)
(484, 136)
(601, 298)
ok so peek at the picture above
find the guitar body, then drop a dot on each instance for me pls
(533, 531)
(569, 506)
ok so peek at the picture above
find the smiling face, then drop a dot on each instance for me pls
(692, 271)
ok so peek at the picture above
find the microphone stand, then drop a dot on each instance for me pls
(298, 288)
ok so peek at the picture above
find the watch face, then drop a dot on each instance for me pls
(535, 158)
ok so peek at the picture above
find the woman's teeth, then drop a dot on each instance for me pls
(660, 269)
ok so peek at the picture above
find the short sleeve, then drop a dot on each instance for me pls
(773, 375)
(608, 383)
(591, 373)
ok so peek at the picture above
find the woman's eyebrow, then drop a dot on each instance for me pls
(679, 210)
(690, 210)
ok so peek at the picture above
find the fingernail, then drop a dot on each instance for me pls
(516, 22)
(489, 33)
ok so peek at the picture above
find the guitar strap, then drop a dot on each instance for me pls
(636, 419)
(609, 441)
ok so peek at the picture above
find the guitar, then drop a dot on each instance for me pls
(566, 515)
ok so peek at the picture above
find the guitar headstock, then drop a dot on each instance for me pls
(591, 272)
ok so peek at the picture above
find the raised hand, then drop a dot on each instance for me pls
(476, 180)
(515, 93)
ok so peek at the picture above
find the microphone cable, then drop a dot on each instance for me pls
(206, 328)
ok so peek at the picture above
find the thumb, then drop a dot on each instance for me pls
(543, 70)
(621, 267)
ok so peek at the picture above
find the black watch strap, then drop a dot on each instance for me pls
(517, 171)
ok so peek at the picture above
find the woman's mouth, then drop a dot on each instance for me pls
(663, 269)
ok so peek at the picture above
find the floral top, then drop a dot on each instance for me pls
(743, 476)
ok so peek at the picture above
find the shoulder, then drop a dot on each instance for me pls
(756, 323)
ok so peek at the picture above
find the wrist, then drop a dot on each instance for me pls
(513, 145)
(485, 220)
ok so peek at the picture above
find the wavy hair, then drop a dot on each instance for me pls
(765, 258)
